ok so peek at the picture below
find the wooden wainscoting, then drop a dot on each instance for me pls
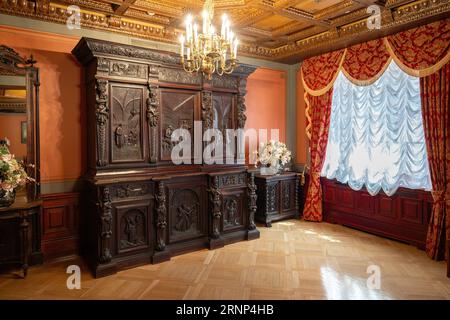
(60, 225)
(404, 216)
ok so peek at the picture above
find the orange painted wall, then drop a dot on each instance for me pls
(266, 101)
(61, 116)
(302, 140)
(10, 127)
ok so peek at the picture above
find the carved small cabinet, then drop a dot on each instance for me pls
(277, 197)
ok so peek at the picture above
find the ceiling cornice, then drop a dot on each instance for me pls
(305, 35)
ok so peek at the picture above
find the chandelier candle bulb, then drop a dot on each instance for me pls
(182, 46)
(224, 23)
(196, 34)
(205, 20)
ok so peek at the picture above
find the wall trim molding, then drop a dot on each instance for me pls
(65, 186)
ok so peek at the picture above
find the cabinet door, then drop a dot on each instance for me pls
(179, 109)
(128, 132)
(233, 210)
(187, 209)
(133, 224)
(287, 195)
(9, 239)
(272, 197)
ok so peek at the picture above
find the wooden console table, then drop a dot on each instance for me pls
(20, 234)
(277, 197)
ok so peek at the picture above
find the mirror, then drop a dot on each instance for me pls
(13, 116)
(19, 117)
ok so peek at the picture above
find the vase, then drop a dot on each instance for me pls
(269, 171)
(7, 198)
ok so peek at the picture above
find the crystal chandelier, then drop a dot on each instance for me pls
(208, 51)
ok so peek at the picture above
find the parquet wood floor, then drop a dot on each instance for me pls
(292, 260)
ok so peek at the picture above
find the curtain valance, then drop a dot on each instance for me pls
(419, 52)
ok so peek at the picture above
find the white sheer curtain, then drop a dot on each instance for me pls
(376, 136)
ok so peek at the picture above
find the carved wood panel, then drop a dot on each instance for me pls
(187, 212)
(179, 108)
(127, 127)
(128, 69)
(233, 210)
(133, 225)
(272, 198)
(288, 191)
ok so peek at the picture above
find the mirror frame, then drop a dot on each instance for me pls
(12, 62)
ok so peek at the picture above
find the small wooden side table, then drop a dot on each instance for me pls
(277, 197)
(20, 234)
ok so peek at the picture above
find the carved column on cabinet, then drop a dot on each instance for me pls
(153, 114)
(215, 240)
(102, 116)
(161, 220)
(105, 207)
(241, 108)
(252, 197)
(214, 196)
(253, 233)
(24, 226)
(207, 110)
(161, 253)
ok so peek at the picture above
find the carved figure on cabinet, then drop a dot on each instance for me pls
(132, 138)
(184, 217)
(232, 209)
(167, 140)
(130, 229)
(152, 112)
(119, 137)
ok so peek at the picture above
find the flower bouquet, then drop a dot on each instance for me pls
(12, 175)
(273, 157)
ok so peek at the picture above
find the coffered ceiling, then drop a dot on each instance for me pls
(279, 30)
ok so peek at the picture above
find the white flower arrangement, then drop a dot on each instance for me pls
(273, 154)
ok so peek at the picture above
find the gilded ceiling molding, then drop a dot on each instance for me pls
(319, 34)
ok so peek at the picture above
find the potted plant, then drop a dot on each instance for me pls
(12, 175)
(273, 157)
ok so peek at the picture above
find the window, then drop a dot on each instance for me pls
(376, 136)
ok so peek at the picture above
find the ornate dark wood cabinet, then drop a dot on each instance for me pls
(142, 207)
(277, 197)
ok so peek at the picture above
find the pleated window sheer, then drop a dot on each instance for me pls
(376, 136)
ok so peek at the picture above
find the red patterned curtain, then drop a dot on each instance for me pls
(364, 63)
(421, 51)
(320, 124)
(319, 73)
(436, 112)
